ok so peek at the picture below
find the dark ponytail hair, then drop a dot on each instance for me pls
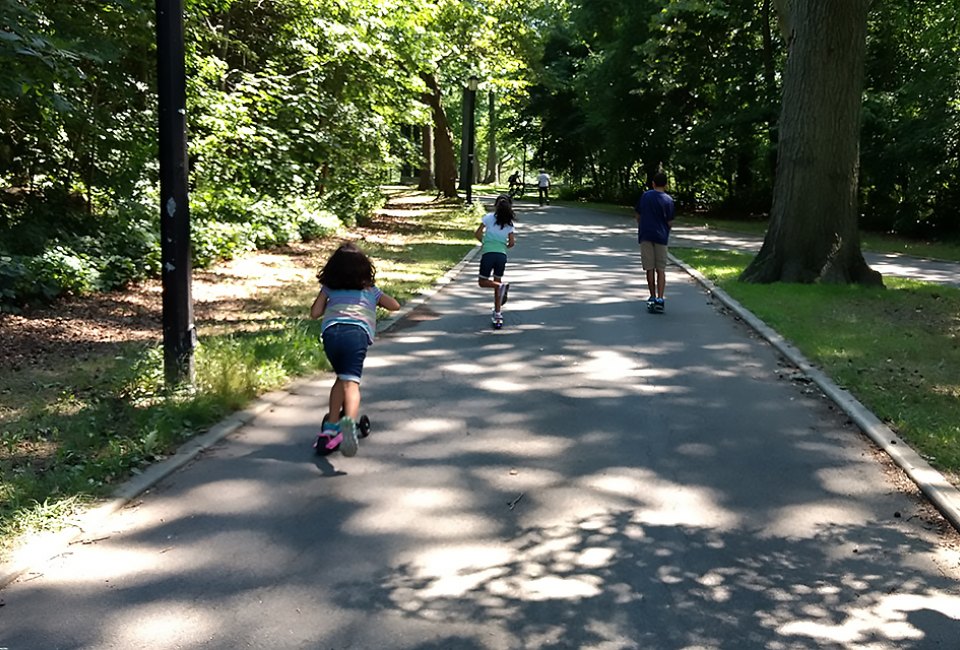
(503, 210)
(348, 268)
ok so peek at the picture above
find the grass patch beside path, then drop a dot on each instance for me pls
(75, 423)
(896, 349)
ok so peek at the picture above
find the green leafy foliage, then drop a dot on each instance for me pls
(910, 158)
(621, 87)
(295, 111)
(85, 254)
(226, 225)
(628, 87)
(299, 109)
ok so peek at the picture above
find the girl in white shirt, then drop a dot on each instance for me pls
(496, 232)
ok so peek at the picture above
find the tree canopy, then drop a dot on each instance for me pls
(623, 86)
(299, 109)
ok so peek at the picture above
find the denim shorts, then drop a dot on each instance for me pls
(346, 348)
(493, 264)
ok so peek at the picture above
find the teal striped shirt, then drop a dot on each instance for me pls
(352, 307)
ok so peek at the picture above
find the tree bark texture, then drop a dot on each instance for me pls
(445, 160)
(426, 159)
(813, 234)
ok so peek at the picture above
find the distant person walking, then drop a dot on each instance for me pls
(496, 233)
(654, 212)
(543, 185)
(348, 302)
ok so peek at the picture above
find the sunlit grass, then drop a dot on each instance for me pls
(756, 226)
(896, 349)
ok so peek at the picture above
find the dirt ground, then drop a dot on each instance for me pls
(79, 327)
(45, 336)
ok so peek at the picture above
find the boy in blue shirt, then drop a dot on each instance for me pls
(654, 212)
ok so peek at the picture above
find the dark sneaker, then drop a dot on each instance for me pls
(504, 293)
(350, 443)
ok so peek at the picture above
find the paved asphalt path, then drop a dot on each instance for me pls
(591, 476)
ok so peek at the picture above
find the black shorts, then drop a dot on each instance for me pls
(493, 264)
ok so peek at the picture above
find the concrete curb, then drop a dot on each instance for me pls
(944, 496)
(42, 547)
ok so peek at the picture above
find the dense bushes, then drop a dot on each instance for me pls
(226, 225)
(124, 245)
(42, 257)
(290, 122)
(910, 161)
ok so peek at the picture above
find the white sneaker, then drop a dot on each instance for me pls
(504, 290)
(350, 443)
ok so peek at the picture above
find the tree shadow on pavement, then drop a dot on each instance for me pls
(612, 580)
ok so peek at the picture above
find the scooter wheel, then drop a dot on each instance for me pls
(363, 426)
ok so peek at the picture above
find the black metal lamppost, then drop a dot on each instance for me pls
(523, 139)
(469, 136)
(179, 332)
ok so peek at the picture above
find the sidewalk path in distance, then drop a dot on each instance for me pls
(591, 476)
(891, 264)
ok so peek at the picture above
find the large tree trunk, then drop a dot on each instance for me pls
(426, 159)
(446, 167)
(813, 231)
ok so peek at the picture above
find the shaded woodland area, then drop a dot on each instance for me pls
(299, 109)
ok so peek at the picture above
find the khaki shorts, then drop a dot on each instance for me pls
(653, 256)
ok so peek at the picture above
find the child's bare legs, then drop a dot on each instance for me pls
(495, 284)
(344, 396)
(657, 282)
(351, 400)
(336, 401)
(652, 283)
